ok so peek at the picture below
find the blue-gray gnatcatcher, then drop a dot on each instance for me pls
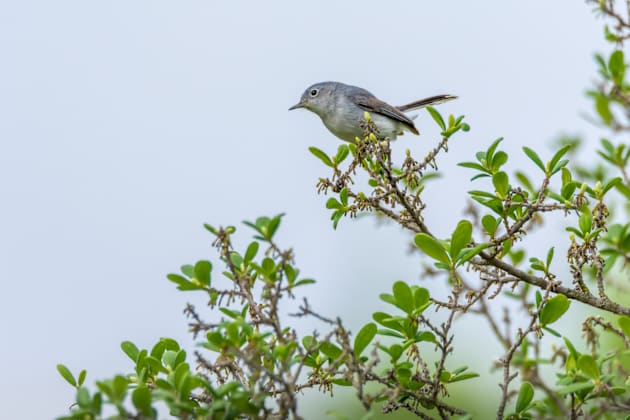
(341, 107)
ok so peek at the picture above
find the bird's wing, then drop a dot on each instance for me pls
(433, 100)
(372, 104)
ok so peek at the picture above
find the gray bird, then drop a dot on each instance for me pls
(341, 106)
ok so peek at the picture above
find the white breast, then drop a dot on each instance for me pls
(388, 127)
(346, 126)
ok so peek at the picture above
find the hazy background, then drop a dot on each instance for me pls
(125, 125)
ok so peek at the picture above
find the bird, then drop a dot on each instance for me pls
(342, 106)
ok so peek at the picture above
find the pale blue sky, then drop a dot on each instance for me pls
(125, 125)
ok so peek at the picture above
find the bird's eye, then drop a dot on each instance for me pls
(314, 92)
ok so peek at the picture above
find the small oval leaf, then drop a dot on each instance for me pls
(525, 396)
(624, 324)
(554, 309)
(321, 155)
(403, 296)
(534, 157)
(588, 366)
(432, 247)
(66, 374)
(461, 237)
(141, 398)
(364, 338)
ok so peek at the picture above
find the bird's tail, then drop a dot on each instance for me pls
(433, 100)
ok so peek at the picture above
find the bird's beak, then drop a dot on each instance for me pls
(296, 106)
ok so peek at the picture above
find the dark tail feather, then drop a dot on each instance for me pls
(433, 100)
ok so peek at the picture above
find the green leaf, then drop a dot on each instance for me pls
(231, 313)
(169, 343)
(309, 342)
(554, 309)
(554, 163)
(81, 377)
(575, 387)
(602, 106)
(610, 184)
(427, 336)
(227, 388)
(467, 254)
(432, 247)
(617, 66)
(523, 179)
(603, 68)
(566, 176)
(273, 225)
(501, 184)
(343, 196)
(395, 351)
(472, 165)
(534, 157)
(560, 165)
(364, 337)
(210, 228)
(490, 224)
(623, 190)
(141, 398)
(389, 333)
(182, 283)
(342, 382)
(574, 230)
(552, 331)
(336, 217)
(342, 153)
(588, 366)
(624, 324)
(130, 350)
(571, 348)
(321, 156)
(332, 203)
(387, 298)
(387, 321)
(462, 235)
(436, 117)
(445, 376)
(304, 282)
(585, 221)
(83, 397)
(66, 374)
(184, 380)
(459, 370)
(251, 252)
(549, 256)
(478, 176)
(490, 152)
(499, 159)
(463, 377)
(484, 194)
(403, 296)
(202, 272)
(188, 270)
(525, 396)
(536, 264)
(236, 259)
(517, 256)
(330, 350)
(493, 203)
(421, 298)
(610, 37)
